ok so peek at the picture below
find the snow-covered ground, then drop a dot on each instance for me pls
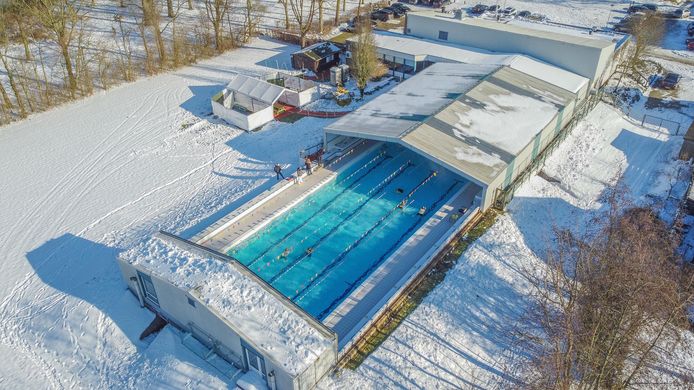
(460, 336)
(87, 180)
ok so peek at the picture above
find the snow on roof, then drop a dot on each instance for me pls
(582, 32)
(476, 130)
(447, 52)
(320, 50)
(558, 33)
(406, 105)
(257, 89)
(256, 314)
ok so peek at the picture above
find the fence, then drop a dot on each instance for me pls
(673, 127)
(504, 196)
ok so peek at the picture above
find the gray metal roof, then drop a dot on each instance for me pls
(257, 89)
(477, 130)
(390, 115)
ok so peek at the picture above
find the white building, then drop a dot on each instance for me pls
(247, 102)
(580, 51)
(235, 314)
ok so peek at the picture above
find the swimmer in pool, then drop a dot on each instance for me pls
(285, 253)
(309, 251)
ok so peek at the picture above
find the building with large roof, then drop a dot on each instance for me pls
(585, 52)
(484, 122)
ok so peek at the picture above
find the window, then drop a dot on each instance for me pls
(191, 301)
(148, 288)
(254, 360)
(443, 35)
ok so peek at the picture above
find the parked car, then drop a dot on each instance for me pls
(493, 8)
(479, 9)
(650, 7)
(524, 14)
(509, 11)
(401, 7)
(670, 81)
(395, 11)
(690, 29)
(690, 43)
(680, 13)
(636, 9)
(627, 24)
(538, 17)
(380, 15)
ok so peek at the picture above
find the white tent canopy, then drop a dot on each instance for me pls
(256, 89)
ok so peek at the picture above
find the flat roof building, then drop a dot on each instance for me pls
(578, 51)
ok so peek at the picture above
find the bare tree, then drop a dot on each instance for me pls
(608, 306)
(216, 12)
(647, 31)
(365, 63)
(285, 5)
(320, 15)
(253, 12)
(303, 16)
(337, 12)
(122, 36)
(60, 18)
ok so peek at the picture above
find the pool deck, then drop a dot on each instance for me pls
(363, 304)
(360, 307)
(261, 210)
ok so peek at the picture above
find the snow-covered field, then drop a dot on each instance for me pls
(83, 182)
(87, 180)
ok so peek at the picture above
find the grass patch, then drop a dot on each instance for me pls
(413, 296)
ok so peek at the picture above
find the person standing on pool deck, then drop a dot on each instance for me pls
(307, 162)
(299, 172)
(278, 171)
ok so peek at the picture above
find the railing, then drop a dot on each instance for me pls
(503, 196)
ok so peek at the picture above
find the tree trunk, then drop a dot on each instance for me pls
(25, 40)
(361, 92)
(286, 13)
(249, 19)
(13, 85)
(320, 16)
(169, 8)
(337, 12)
(6, 102)
(190, 5)
(72, 81)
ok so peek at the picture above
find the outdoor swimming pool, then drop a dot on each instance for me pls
(319, 251)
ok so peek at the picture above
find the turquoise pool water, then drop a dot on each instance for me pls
(318, 252)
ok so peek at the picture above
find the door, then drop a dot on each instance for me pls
(148, 289)
(254, 360)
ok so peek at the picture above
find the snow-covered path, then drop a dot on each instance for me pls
(82, 182)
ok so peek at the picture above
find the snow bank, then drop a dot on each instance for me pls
(251, 310)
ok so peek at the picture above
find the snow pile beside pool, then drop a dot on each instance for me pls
(257, 314)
